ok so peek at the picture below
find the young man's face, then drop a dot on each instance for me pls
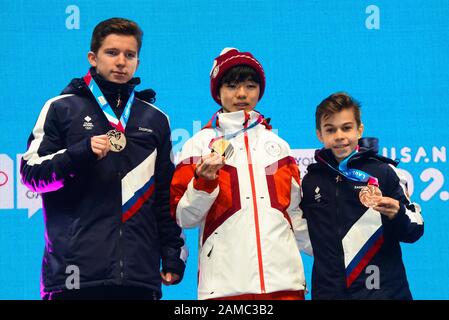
(117, 58)
(236, 96)
(339, 133)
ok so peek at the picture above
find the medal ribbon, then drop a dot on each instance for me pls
(120, 125)
(350, 173)
(232, 135)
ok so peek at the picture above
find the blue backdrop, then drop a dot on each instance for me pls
(393, 56)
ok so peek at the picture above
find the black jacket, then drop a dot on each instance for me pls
(332, 207)
(110, 217)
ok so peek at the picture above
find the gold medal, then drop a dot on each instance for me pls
(223, 147)
(117, 140)
(370, 195)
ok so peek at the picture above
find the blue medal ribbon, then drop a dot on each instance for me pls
(234, 134)
(351, 173)
(119, 124)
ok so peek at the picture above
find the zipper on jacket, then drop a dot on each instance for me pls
(256, 214)
(210, 252)
(118, 100)
(121, 254)
(338, 181)
(120, 241)
(337, 194)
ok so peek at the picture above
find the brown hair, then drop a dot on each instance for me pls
(115, 26)
(335, 103)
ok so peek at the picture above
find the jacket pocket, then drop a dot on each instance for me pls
(209, 257)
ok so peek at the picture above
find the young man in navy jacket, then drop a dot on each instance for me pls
(100, 155)
(357, 211)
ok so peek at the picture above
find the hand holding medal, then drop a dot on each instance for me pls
(207, 168)
(371, 197)
(388, 207)
(100, 145)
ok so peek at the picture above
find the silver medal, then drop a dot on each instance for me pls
(117, 140)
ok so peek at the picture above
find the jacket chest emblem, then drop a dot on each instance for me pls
(273, 148)
(317, 194)
(88, 125)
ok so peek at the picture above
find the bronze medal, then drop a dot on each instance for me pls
(117, 140)
(370, 195)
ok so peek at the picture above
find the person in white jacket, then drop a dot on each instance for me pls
(238, 182)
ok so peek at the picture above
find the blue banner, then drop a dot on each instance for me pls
(393, 56)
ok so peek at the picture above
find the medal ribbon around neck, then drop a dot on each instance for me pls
(351, 173)
(120, 125)
(232, 135)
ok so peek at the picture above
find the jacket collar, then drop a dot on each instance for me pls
(77, 85)
(112, 88)
(235, 121)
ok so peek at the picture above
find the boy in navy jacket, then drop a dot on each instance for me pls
(100, 155)
(357, 211)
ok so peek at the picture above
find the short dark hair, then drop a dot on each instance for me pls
(240, 73)
(115, 26)
(335, 103)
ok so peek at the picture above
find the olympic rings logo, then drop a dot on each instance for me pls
(3, 178)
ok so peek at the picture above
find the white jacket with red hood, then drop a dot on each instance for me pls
(250, 224)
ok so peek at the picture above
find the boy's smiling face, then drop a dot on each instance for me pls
(339, 132)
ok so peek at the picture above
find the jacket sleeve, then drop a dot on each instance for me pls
(172, 239)
(191, 198)
(296, 215)
(48, 162)
(408, 223)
